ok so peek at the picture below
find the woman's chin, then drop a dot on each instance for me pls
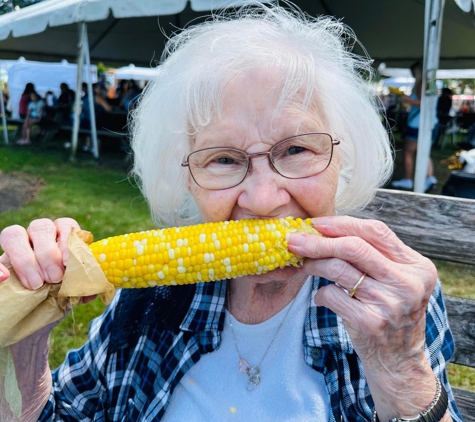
(278, 275)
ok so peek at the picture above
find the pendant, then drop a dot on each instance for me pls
(243, 366)
(254, 374)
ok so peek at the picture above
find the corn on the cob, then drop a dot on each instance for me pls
(192, 254)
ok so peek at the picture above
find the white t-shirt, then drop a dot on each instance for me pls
(35, 109)
(290, 390)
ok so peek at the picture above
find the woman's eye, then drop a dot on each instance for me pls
(295, 150)
(225, 160)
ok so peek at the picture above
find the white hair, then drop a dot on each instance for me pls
(314, 55)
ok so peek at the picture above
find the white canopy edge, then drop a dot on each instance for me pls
(36, 18)
(398, 72)
(137, 73)
(465, 5)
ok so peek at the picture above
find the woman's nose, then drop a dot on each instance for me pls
(263, 189)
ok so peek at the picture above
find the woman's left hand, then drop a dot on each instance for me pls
(386, 316)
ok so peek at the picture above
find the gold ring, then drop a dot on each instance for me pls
(353, 290)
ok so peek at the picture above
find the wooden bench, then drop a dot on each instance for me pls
(443, 228)
(19, 125)
(101, 133)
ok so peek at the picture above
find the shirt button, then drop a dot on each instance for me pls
(316, 354)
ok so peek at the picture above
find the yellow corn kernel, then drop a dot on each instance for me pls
(193, 254)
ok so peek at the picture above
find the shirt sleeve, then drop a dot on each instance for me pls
(440, 344)
(79, 383)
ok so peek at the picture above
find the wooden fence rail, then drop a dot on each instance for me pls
(443, 228)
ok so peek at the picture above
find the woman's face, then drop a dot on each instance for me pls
(248, 122)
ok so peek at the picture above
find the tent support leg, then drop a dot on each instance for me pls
(434, 11)
(4, 118)
(90, 94)
(77, 100)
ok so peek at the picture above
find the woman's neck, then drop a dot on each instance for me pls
(252, 303)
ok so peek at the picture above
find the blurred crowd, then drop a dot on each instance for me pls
(110, 113)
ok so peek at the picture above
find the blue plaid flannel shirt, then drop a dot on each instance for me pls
(143, 344)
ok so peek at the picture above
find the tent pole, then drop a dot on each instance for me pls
(4, 118)
(434, 11)
(78, 99)
(90, 94)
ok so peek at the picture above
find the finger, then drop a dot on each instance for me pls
(370, 318)
(5, 260)
(354, 313)
(15, 242)
(4, 273)
(351, 249)
(342, 273)
(63, 227)
(42, 233)
(374, 232)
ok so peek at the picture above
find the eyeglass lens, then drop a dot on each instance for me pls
(294, 158)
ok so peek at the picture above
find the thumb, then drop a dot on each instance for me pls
(4, 263)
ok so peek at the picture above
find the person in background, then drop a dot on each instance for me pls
(101, 108)
(66, 98)
(444, 105)
(34, 115)
(120, 92)
(50, 99)
(465, 107)
(65, 102)
(102, 82)
(6, 98)
(25, 100)
(131, 95)
(411, 135)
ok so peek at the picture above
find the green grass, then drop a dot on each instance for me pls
(458, 280)
(104, 201)
(99, 197)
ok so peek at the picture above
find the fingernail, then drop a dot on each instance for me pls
(34, 280)
(55, 274)
(322, 221)
(296, 239)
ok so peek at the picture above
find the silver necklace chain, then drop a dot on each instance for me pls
(253, 372)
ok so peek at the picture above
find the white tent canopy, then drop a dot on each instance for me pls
(124, 31)
(133, 72)
(119, 31)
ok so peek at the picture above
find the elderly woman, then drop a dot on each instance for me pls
(261, 116)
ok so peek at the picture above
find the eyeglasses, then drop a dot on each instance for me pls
(297, 157)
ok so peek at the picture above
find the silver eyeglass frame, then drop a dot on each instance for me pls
(333, 143)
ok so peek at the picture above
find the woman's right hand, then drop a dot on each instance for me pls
(39, 253)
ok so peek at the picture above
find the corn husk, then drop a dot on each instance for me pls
(24, 311)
